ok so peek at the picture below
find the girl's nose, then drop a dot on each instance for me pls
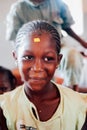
(37, 66)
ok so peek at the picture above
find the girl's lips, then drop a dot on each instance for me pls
(37, 78)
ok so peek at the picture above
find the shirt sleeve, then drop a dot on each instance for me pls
(13, 22)
(66, 16)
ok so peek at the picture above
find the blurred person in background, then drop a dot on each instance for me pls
(7, 80)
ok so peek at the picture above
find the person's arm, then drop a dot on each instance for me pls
(3, 125)
(76, 37)
(67, 22)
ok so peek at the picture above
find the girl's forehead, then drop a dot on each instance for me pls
(40, 35)
(43, 40)
(36, 38)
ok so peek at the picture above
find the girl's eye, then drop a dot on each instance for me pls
(27, 57)
(48, 58)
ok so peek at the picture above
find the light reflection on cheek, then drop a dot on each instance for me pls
(23, 70)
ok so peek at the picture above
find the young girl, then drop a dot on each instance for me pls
(59, 15)
(40, 104)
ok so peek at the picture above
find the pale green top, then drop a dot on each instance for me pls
(70, 115)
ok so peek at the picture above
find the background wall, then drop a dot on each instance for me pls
(6, 58)
(85, 18)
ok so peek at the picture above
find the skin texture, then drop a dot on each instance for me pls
(37, 62)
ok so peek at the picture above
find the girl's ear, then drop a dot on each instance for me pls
(15, 57)
(59, 58)
(14, 54)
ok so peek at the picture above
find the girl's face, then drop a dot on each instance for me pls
(37, 60)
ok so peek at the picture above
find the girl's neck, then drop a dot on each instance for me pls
(44, 94)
